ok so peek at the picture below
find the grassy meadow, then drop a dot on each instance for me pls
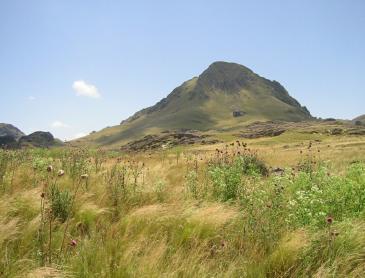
(286, 206)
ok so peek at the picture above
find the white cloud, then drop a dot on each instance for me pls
(84, 89)
(31, 98)
(59, 124)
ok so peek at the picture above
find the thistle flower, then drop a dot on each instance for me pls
(84, 176)
(73, 243)
(61, 173)
(49, 168)
(43, 195)
(223, 243)
(329, 220)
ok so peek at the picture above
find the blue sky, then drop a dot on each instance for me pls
(74, 66)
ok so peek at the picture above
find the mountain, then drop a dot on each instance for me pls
(11, 131)
(12, 137)
(226, 95)
(39, 139)
(359, 120)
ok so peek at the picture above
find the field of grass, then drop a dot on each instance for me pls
(207, 211)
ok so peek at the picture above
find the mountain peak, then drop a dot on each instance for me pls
(226, 76)
(228, 66)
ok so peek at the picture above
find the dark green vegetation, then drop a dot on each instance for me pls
(226, 95)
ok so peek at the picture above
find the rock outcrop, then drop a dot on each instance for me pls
(167, 139)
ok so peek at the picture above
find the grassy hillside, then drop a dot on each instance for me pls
(212, 211)
(208, 102)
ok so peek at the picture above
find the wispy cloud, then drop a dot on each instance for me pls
(59, 124)
(31, 98)
(86, 90)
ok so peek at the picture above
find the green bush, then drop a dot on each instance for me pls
(60, 203)
(318, 195)
(226, 176)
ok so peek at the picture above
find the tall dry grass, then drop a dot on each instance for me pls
(183, 213)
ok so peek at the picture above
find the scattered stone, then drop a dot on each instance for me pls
(169, 139)
(336, 131)
(238, 113)
(278, 171)
(356, 131)
(263, 129)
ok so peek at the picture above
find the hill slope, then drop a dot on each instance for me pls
(359, 120)
(225, 95)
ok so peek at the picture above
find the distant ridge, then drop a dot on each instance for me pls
(12, 137)
(10, 130)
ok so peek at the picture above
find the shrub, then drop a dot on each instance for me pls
(318, 195)
(227, 176)
(60, 203)
(192, 184)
